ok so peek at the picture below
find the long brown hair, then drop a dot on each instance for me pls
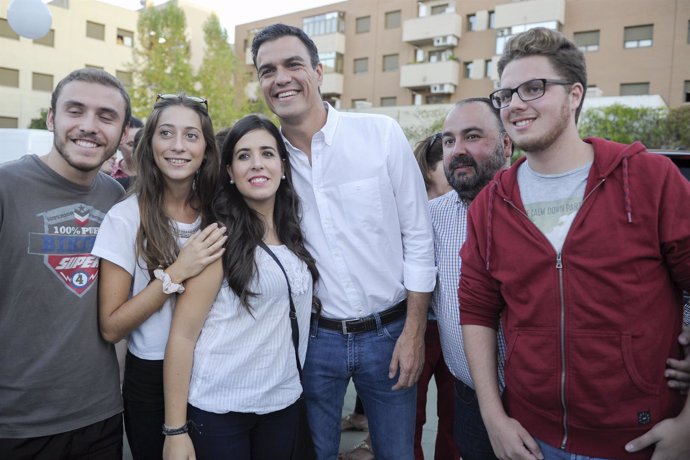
(157, 236)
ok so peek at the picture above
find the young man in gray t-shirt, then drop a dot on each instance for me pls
(59, 385)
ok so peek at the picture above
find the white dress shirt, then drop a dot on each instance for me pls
(364, 214)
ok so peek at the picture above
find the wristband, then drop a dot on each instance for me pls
(167, 431)
(168, 286)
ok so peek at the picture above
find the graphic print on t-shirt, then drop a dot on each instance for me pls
(554, 218)
(69, 235)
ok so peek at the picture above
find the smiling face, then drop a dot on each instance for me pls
(87, 124)
(289, 83)
(474, 148)
(178, 144)
(537, 125)
(257, 169)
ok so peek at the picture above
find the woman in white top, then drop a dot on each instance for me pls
(150, 243)
(230, 353)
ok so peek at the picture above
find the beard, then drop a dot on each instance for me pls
(469, 186)
(84, 166)
(542, 143)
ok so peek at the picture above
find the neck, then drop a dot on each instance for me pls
(177, 204)
(567, 153)
(437, 190)
(300, 132)
(270, 235)
(57, 163)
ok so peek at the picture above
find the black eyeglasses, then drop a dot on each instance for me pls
(527, 91)
(197, 99)
(437, 137)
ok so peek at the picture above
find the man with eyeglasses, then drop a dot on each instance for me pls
(59, 384)
(583, 250)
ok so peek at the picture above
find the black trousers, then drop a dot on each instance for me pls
(142, 393)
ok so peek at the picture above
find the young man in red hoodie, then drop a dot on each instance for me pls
(582, 249)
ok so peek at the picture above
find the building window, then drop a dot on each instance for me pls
(324, 24)
(125, 77)
(471, 22)
(6, 31)
(392, 19)
(47, 40)
(9, 122)
(91, 66)
(638, 36)
(389, 101)
(41, 82)
(492, 19)
(361, 65)
(488, 68)
(95, 30)
(358, 103)
(467, 69)
(634, 89)
(440, 56)
(332, 62)
(439, 9)
(363, 24)
(686, 91)
(505, 34)
(9, 77)
(587, 41)
(390, 62)
(125, 37)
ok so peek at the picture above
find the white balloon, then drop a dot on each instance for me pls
(29, 18)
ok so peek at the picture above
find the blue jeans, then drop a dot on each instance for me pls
(332, 359)
(554, 453)
(469, 431)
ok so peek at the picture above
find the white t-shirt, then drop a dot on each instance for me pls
(246, 362)
(116, 242)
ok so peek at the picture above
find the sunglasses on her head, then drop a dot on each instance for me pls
(197, 99)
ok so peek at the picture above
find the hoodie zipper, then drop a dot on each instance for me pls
(559, 268)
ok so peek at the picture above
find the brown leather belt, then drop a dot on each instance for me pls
(368, 323)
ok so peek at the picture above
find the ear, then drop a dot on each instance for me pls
(319, 73)
(125, 130)
(229, 171)
(577, 93)
(50, 120)
(507, 147)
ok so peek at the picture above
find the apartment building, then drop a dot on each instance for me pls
(84, 33)
(379, 53)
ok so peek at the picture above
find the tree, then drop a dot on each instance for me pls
(221, 78)
(161, 58)
(624, 124)
(40, 121)
(676, 132)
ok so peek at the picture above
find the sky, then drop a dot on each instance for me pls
(233, 12)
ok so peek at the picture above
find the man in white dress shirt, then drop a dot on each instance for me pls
(365, 220)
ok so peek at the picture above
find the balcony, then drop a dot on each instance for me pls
(422, 31)
(330, 42)
(426, 74)
(529, 12)
(332, 84)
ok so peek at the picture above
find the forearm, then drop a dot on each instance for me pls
(177, 370)
(481, 351)
(417, 310)
(120, 322)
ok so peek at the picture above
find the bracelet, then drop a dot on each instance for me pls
(168, 286)
(167, 431)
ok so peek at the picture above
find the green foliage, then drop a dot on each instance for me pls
(40, 121)
(677, 128)
(432, 123)
(161, 58)
(625, 124)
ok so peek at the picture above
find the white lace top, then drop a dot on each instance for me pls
(245, 362)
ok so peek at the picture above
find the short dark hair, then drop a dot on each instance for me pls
(134, 122)
(91, 75)
(276, 31)
(563, 55)
(485, 100)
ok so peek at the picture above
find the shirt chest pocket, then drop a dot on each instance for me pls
(360, 202)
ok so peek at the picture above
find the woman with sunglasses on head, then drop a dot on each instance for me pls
(230, 354)
(150, 244)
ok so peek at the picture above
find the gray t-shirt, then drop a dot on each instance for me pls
(552, 200)
(56, 372)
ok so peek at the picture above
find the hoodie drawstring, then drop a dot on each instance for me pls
(489, 222)
(626, 190)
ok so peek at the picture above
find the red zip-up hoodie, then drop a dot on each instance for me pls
(588, 329)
